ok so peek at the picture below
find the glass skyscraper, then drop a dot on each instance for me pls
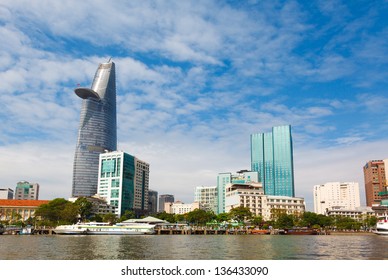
(97, 129)
(272, 157)
(124, 182)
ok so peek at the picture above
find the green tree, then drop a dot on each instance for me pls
(240, 214)
(285, 221)
(222, 217)
(128, 214)
(257, 220)
(84, 207)
(166, 216)
(54, 213)
(199, 217)
(109, 218)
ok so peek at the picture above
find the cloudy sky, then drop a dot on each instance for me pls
(194, 80)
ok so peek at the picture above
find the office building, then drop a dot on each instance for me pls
(336, 195)
(241, 177)
(123, 181)
(152, 202)
(6, 193)
(27, 191)
(163, 198)
(97, 129)
(207, 198)
(272, 157)
(375, 181)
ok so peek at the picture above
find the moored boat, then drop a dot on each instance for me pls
(298, 231)
(382, 226)
(70, 229)
(260, 231)
(95, 228)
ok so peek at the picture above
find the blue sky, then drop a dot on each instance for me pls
(194, 80)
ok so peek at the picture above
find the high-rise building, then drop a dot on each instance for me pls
(123, 180)
(27, 191)
(375, 181)
(152, 201)
(272, 157)
(97, 129)
(336, 195)
(163, 198)
(241, 177)
(207, 198)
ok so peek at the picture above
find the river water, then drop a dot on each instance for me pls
(194, 247)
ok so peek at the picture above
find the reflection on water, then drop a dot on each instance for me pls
(195, 247)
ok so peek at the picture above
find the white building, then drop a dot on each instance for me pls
(6, 193)
(358, 214)
(252, 195)
(207, 197)
(179, 207)
(123, 182)
(336, 195)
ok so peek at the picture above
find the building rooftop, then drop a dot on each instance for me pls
(22, 203)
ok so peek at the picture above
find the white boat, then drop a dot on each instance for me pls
(382, 226)
(70, 229)
(94, 228)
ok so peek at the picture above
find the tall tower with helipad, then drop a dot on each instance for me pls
(97, 131)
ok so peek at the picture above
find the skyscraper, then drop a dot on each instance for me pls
(97, 129)
(272, 157)
(375, 180)
(124, 181)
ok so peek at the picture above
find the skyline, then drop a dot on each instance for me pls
(194, 80)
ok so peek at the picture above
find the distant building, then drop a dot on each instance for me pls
(242, 177)
(272, 157)
(207, 198)
(163, 198)
(152, 202)
(335, 194)
(6, 193)
(359, 214)
(375, 181)
(180, 208)
(123, 181)
(12, 209)
(27, 191)
(99, 205)
(251, 195)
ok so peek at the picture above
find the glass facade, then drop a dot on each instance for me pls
(272, 157)
(97, 129)
(123, 180)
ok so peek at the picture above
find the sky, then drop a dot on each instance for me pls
(194, 80)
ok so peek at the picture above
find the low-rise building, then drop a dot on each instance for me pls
(12, 209)
(359, 214)
(251, 195)
(179, 207)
